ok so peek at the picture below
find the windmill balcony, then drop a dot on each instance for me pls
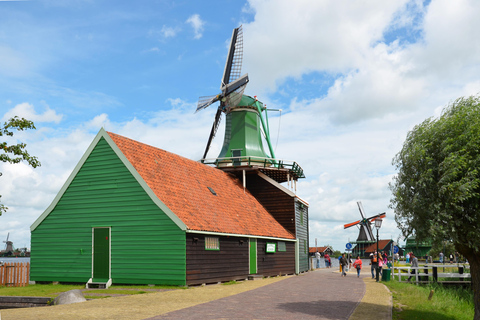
(279, 170)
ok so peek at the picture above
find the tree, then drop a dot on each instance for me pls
(15, 153)
(436, 193)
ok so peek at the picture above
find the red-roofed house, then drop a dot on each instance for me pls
(133, 213)
(321, 250)
(383, 245)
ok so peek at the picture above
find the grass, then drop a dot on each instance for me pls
(410, 301)
(53, 290)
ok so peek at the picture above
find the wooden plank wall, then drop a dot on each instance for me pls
(278, 263)
(146, 246)
(280, 205)
(210, 266)
(14, 274)
(302, 234)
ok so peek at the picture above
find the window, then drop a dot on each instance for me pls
(301, 217)
(282, 246)
(212, 243)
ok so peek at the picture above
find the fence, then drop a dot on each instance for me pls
(14, 274)
(422, 274)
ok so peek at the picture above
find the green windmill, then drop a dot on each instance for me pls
(246, 125)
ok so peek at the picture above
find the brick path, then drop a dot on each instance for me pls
(314, 295)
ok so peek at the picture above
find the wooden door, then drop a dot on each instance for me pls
(253, 256)
(101, 254)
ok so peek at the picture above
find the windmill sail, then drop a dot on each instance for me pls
(365, 233)
(232, 84)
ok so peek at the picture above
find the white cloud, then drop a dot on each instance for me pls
(197, 24)
(27, 111)
(169, 32)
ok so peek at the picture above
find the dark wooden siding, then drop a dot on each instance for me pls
(209, 266)
(301, 216)
(280, 205)
(278, 263)
(146, 246)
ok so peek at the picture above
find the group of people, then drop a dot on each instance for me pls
(326, 257)
(377, 261)
(344, 263)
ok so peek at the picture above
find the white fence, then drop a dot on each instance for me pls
(432, 273)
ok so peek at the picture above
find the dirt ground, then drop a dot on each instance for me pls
(377, 300)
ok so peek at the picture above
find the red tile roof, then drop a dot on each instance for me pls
(183, 186)
(320, 249)
(382, 244)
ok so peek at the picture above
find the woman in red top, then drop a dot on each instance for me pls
(358, 265)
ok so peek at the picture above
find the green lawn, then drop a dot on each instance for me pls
(410, 302)
(53, 290)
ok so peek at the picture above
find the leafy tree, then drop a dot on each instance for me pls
(436, 193)
(15, 153)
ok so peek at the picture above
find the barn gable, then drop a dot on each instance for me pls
(104, 192)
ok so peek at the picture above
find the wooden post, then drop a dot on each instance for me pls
(460, 271)
(430, 295)
(435, 273)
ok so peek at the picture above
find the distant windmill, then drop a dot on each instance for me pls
(366, 234)
(8, 247)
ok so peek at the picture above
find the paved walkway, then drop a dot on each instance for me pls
(322, 294)
(314, 295)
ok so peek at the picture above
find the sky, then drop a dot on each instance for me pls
(351, 79)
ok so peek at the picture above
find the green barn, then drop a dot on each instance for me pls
(131, 213)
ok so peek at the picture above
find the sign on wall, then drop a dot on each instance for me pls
(271, 247)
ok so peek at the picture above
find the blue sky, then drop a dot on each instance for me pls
(351, 77)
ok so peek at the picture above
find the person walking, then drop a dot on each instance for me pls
(441, 257)
(358, 265)
(344, 264)
(373, 263)
(380, 265)
(317, 256)
(413, 265)
(407, 257)
(327, 261)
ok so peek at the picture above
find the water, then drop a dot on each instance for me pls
(336, 264)
(20, 259)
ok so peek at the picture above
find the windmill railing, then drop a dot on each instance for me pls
(260, 162)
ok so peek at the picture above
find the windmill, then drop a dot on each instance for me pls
(239, 109)
(366, 234)
(8, 247)
(243, 145)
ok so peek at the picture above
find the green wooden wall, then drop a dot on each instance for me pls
(301, 217)
(146, 246)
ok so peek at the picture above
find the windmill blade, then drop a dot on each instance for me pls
(234, 85)
(233, 65)
(377, 216)
(233, 99)
(206, 101)
(348, 225)
(216, 123)
(360, 207)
